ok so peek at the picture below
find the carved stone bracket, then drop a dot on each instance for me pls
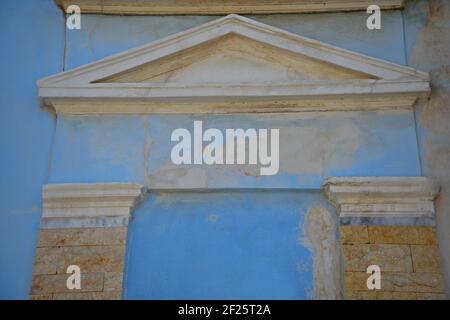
(89, 201)
(382, 196)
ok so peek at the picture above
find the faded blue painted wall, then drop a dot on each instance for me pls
(90, 149)
(221, 245)
(32, 44)
(313, 146)
(101, 36)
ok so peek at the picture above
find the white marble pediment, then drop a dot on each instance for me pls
(230, 65)
(234, 59)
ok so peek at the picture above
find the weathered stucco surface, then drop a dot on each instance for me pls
(313, 146)
(320, 234)
(428, 48)
(136, 149)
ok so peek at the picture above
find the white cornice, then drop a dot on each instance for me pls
(233, 105)
(173, 7)
(96, 200)
(373, 197)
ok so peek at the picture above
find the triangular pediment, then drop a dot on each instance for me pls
(231, 58)
(234, 59)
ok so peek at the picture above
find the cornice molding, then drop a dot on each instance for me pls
(231, 105)
(375, 197)
(212, 7)
(96, 200)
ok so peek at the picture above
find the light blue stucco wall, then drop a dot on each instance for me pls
(101, 36)
(221, 245)
(313, 146)
(32, 46)
(137, 149)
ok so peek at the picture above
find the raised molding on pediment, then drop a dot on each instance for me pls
(89, 200)
(174, 7)
(375, 197)
(233, 64)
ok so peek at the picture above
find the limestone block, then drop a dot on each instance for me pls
(398, 282)
(394, 258)
(403, 235)
(354, 234)
(46, 284)
(425, 258)
(45, 261)
(113, 281)
(431, 296)
(91, 258)
(82, 236)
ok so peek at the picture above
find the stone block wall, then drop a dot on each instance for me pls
(408, 257)
(99, 252)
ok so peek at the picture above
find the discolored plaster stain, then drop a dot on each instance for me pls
(167, 198)
(431, 52)
(212, 218)
(320, 236)
(221, 173)
(315, 149)
(173, 177)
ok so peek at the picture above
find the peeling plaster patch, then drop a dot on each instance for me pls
(212, 217)
(240, 170)
(219, 175)
(320, 230)
(173, 176)
(318, 148)
(313, 145)
(167, 198)
(434, 35)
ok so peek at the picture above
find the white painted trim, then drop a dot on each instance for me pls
(79, 83)
(96, 200)
(296, 89)
(171, 7)
(218, 105)
(370, 197)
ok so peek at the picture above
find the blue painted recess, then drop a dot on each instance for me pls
(221, 245)
(313, 146)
